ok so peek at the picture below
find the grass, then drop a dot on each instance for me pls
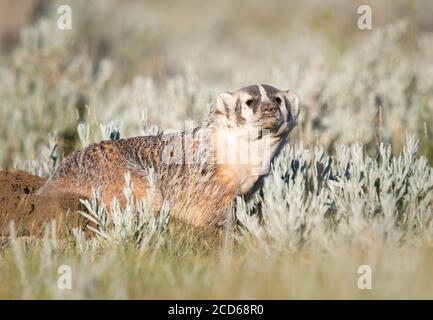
(176, 272)
(321, 222)
(354, 187)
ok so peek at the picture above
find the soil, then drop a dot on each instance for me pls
(30, 211)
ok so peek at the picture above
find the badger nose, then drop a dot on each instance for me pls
(269, 108)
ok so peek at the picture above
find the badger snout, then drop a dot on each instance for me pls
(268, 109)
(270, 116)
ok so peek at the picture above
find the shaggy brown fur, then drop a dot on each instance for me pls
(186, 168)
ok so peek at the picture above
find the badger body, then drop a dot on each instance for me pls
(199, 172)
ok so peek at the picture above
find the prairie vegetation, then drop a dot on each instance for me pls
(353, 187)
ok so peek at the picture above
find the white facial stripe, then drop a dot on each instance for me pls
(263, 94)
(243, 96)
(247, 113)
(283, 108)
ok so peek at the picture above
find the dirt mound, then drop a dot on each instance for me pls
(31, 211)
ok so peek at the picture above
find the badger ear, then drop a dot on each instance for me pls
(225, 103)
(293, 104)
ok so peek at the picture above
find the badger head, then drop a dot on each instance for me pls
(260, 107)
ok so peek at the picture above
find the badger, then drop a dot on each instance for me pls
(200, 171)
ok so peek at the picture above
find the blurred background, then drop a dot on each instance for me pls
(134, 65)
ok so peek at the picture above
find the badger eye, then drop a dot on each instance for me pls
(278, 100)
(249, 102)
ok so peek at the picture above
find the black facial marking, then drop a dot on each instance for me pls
(255, 105)
(238, 112)
(270, 91)
(252, 91)
(289, 112)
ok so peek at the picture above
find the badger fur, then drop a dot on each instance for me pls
(199, 171)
